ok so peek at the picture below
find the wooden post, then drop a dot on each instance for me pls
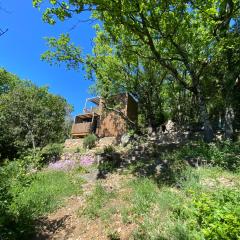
(85, 106)
(92, 122)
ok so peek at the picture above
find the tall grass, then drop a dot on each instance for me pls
(193, 211)
(44, 193)
(96, 201)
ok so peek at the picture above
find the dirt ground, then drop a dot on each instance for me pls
(67, 224)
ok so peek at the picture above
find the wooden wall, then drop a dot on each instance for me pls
(111, 123)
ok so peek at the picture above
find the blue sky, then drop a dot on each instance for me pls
(22, 45)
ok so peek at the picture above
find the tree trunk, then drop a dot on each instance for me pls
(228, 120)
(208, 131)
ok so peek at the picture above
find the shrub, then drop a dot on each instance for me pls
(108, 149)
(173, 168)
(89, 141)
(225, 154)
(39, 157)
(222, 154)
(51, 152)
(214, 215)
(14, 177)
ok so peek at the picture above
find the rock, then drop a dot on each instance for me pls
(125, 139)
(165, 161)
(149, 130)
(170, 126)
(74, 143)
(106, 141)
(158, 169)
(153, 138)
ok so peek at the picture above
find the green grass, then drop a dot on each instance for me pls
(181, 202)
(144, 195)
(194, 211)
(96, 202)
(44, 192)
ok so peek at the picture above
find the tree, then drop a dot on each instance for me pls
(182, 37)
(5, 30)
(30, 117)
(117, 72)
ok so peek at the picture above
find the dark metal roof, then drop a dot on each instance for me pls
(86, 115)
(95, 100)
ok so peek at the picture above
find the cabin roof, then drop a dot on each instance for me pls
(95, 100)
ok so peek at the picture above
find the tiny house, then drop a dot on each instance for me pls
(104, 122)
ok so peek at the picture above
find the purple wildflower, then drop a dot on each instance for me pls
(62, 165)
(87, 160)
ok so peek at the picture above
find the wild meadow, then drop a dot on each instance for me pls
(173, 169)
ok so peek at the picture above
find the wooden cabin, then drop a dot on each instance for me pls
(98, 119)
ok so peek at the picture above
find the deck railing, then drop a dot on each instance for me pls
(81, 128)
(91, 110)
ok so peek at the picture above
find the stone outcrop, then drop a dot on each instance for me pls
(74, 143)
(106, 141)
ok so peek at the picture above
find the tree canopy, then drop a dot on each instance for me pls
(30, 116)
(190, 48)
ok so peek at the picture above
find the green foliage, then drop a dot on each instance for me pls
(89, 141)
(109, 149)
(44, 193)
(30, 117)
(157, 225)
(209, 215)
(222, 154)
(14, 178)
(62, 51)
(194, 212)
(51, 152)
(173, 169)
(111, 160)
(96, 201)
(7, 81)
(114, 235)
(144, 196)
(166, 53)
(217, 215)
(25, 196)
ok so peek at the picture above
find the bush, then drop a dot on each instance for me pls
(218, 215)
(39, 157)
(212, 215)
(222, 154)
(51, 152)
(89, 141)
(109, 149)
(173, 168)
(225, 154)
(14, 177)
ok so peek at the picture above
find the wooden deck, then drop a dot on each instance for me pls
(81, 129)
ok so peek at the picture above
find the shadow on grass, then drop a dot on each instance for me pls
(45, 228)
(151, 161)
(27, 227)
